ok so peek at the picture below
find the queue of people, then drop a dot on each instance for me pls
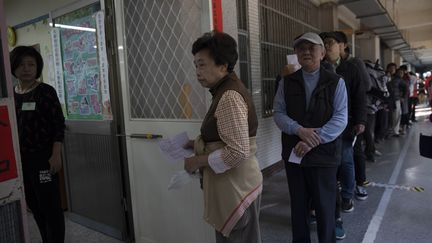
(327, 113)
(372, 97)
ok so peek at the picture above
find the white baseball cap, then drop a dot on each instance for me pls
(309, 36)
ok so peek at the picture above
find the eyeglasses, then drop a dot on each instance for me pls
(329, 42)
(307, 47)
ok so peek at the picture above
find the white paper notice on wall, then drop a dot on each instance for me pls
(292, 59)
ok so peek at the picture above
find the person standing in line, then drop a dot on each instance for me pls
(368, 135)
(225, 150)
(310, 108)
(41, 126)
(413, 96)
(404, 96)
(394, 89)
(356, 116)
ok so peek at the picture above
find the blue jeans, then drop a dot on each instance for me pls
(346, 170)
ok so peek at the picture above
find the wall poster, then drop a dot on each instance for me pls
(81, 64)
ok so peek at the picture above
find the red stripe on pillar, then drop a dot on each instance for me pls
(217, 15)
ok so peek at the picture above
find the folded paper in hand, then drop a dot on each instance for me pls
(172, 148)
(294, 158)
(292, 59)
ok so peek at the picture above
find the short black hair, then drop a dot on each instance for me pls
(404, 67)
(18, 54)
(338, 36)
(392, 64)
(341, 36)
(222, 47)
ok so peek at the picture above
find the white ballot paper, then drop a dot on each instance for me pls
(354, 140)
(292, 59)
(181, 178)
(172, 148)
(294, 158)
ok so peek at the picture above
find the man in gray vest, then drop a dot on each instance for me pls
(310, 108)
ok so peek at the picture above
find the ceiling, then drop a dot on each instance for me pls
(403, 25)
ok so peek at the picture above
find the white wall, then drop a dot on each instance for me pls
(20, 11)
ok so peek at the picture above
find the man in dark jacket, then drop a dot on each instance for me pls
(356, 114)
(368, 135)
(310, 108)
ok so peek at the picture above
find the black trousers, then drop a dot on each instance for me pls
(382, 120)
(43, 198)
(369, 136)
(412, 102)
(360, 160)
(316, 185)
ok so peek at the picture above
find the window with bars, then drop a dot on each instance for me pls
(243, 42)
(281, 21)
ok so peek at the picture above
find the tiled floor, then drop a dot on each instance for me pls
(75, 233)
(388, 215)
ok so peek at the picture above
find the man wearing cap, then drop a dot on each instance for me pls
(310, 108)
(356, 114)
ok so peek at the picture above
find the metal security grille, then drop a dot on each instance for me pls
(243, 42)
(281, 21)
(11, 230)
(161, 73)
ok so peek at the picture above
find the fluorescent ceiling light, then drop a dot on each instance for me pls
(73, 27)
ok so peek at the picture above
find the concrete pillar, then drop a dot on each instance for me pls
(328, 16)
(229, 13)
(388, 57)
(398, 59)
(369, 46)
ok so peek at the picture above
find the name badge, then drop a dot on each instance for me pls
(28, 106)
(44, 176)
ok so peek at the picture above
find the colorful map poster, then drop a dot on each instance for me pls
(81, 69)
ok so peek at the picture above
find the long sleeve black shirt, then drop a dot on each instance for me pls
(41, 126)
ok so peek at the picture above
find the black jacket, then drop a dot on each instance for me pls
(357, 108)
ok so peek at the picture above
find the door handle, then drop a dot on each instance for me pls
(141, 135)
(146, 136)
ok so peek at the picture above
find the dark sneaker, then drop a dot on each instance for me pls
(361, 193)
(370, 159)
(340, 232)
(347, 205)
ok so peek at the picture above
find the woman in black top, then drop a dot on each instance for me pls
(41, 127)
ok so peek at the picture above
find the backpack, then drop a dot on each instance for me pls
(378, 79)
